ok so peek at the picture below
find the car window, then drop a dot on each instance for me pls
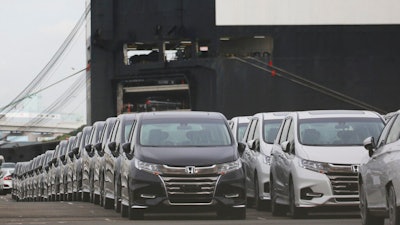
(394, 132)
(184, 133)
(114, 132)
(270, 130)
(385, 131)
(252, 129)
(339, 131)
(246, 133)
(240, 131)
(256, 129)
(285, 130)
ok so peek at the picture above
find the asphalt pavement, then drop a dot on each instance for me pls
(83, 213)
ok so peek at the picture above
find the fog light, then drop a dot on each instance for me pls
(232, 196)
(308, 194)
(148, 196)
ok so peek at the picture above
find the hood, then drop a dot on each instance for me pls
(187, 156)
(334, 154)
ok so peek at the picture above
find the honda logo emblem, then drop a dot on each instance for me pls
(355, 168)
(190, 169)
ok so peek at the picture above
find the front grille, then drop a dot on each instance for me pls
(196, 190)
(344, 183)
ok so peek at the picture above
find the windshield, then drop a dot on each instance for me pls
(271, 128)
(182, 132)
(338, 131)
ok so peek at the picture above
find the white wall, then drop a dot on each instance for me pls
(307, 12)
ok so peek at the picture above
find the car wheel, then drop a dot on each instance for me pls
(85, 196)
(294, 211)
(394, 213)
(258, 203)
(276, 208)
(117, 191)
(134, 214)
(366, 217)
(106, 202)
(124, 210)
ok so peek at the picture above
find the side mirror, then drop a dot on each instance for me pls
(241, 147)
(254, 145)
(71, 154)
(285, 146)
(75, 150)
(88, 148)
(112, 146)
(97, 147)
(369, 144)
(127, 148)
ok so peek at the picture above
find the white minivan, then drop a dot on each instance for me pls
(238, 125)
(258, 140)
(316, 157)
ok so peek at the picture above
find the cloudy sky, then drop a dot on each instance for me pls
(30, 34)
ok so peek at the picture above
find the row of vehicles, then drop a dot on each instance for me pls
(296, 162)
(288, 162)
(141, 161)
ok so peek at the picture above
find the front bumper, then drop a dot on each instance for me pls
(149, 190)
(263, 181)
(314, 189)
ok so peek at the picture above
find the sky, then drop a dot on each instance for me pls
(31, 31)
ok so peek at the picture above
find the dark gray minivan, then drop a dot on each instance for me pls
(182, 158)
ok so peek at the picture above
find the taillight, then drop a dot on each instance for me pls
(7, 178)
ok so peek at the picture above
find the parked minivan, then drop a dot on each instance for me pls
(316, 158)
(238, 125)
(259, 138)
(182, 159)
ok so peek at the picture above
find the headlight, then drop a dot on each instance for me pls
(267, 159)
(319, 167)
(148, 167)
(225, 168)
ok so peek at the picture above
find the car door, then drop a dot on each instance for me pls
(282, 160)
(378, 166)
(247, 156)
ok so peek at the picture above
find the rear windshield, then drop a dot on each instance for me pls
(338, 131)
(183, 132)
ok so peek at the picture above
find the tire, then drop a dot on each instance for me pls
(134, 214)
(117, 202)
(394, 213)
(231, 213)
(85, 196)
(108, 203)
(124, 210)
(366, 217)
(258, 203)
(276, 208)
(96, 199)
(294, 211)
